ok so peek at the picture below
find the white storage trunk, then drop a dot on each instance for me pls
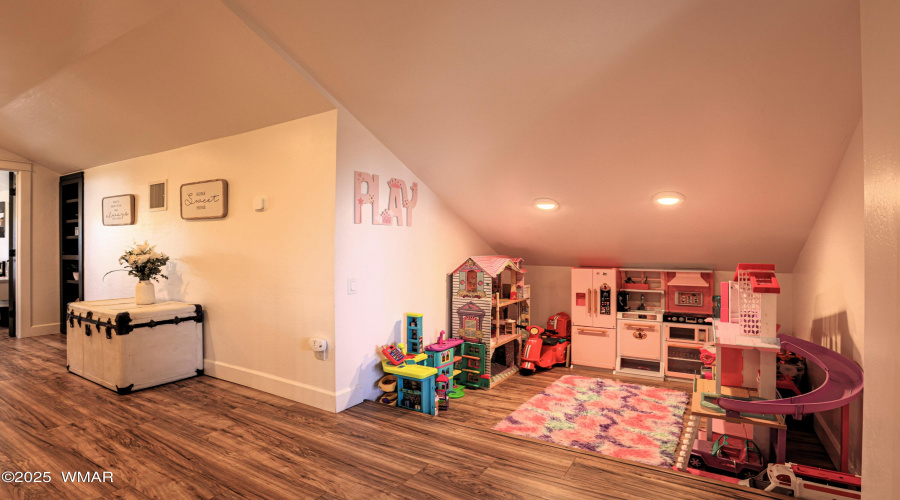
(126, 347)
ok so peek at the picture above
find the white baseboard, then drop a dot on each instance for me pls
(351, 396)
(38, 330)
(831, 442)
(290, 389)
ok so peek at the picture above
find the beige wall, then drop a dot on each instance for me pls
(829, 289)
(10, 156)
(881, 177)
(37, 206)
(550, 287)
(264, 278)
(397, 269)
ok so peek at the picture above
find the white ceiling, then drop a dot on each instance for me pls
(86, 83)
(746, 107)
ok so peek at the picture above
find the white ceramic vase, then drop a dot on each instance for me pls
(144, 293)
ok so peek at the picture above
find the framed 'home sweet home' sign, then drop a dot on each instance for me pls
(204, 199)
(118, 210)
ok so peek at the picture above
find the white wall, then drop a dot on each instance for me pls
(880, 27)
(264, 278)
(397, 269)
(829, 289)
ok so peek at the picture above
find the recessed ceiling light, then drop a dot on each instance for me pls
(545, 204)
(668, 198)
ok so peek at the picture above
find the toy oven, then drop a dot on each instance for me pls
(696, 334)
(639, 339)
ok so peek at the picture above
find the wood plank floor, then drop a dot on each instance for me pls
(206, 438)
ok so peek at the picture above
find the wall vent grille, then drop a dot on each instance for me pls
(158, 196)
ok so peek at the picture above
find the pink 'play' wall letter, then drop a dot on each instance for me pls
(396, 200)
(410, 203)
(370, 197)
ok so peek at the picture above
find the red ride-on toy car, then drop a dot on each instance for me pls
(744, 462)
(544, 349)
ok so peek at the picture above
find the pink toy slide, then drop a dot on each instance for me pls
(843, 383)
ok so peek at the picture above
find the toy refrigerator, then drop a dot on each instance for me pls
(593, 305)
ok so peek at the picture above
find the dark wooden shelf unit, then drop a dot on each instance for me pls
(71, 242)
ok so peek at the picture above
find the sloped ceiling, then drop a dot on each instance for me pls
(87, 83)
(745, 107)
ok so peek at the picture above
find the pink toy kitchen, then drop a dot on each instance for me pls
(644, 322)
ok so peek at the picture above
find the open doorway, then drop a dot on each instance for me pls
(7, 253)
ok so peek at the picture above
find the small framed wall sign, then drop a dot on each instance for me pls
(118, 210)
(204, 199)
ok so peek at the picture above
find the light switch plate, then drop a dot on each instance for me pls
(259, 204)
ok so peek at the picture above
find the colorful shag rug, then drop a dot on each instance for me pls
(629, 421)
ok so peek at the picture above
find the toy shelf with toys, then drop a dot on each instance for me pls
(423, 380)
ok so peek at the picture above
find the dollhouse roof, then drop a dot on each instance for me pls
(495, 264)
(471, 308)
(761, 276)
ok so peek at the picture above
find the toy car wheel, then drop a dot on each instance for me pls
(696, 462)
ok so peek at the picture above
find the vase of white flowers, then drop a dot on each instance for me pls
(144, 263)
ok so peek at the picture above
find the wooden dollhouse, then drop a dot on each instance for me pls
(489, 300)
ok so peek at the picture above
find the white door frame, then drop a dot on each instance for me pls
(25, 322)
